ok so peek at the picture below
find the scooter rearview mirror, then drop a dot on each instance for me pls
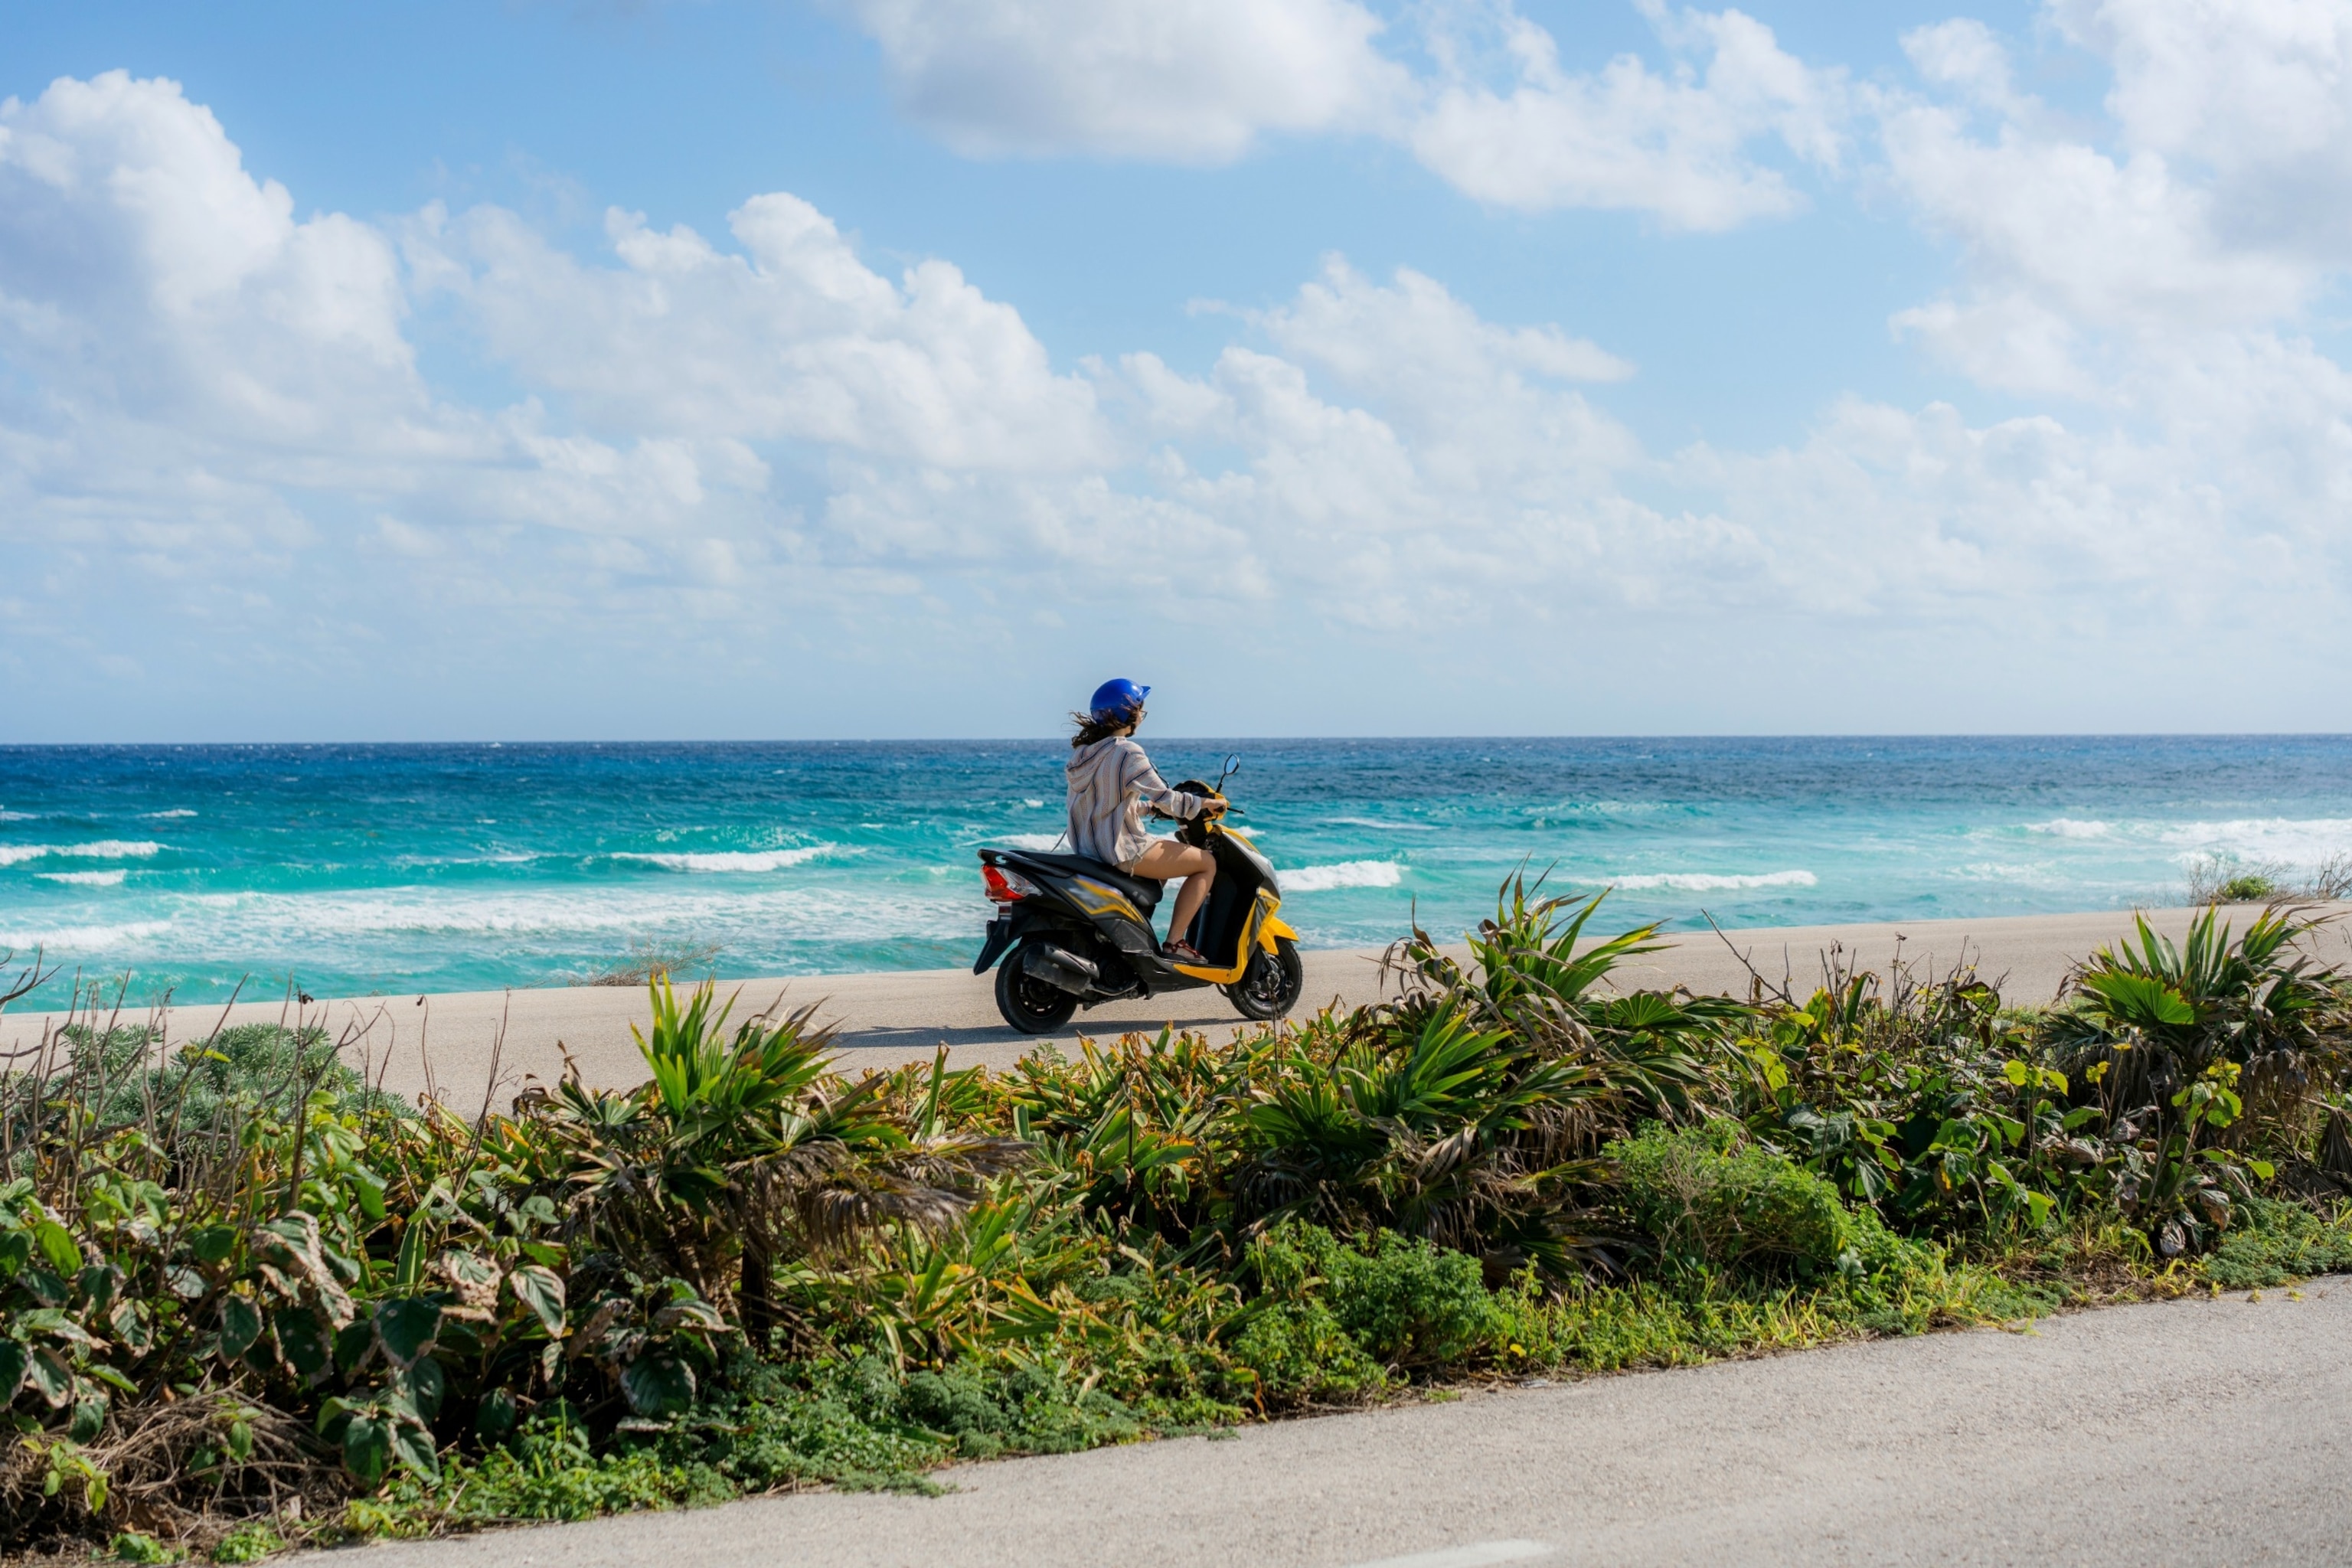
(1233, 766)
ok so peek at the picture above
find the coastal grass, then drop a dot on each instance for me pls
(248, 1304)
(2222, 878)
(650, 961)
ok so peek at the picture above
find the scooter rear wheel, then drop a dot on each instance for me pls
(1269, 987)
(1027, 1003)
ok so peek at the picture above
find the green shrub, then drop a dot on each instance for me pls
(778, 1424)
(213, 1083)
(1706, 1196)
(1338, 1316)
(1298, 1350)
(248, 1544)
(990, 1411)
(547, 1472)
(2273, 1242)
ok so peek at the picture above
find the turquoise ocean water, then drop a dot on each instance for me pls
(357, 869)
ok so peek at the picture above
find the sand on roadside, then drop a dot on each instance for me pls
(477, 1048)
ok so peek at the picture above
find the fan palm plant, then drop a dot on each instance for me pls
(2161, 1015)
(2224, 1045)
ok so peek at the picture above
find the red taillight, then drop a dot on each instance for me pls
(1006, 887)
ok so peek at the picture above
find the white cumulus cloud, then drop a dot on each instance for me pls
(1475, 91)
(2161, 262)
(1677, 144)
(791, 337)
(1189, 81)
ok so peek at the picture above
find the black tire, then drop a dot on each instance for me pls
(1027, 1003)
(1269, 988)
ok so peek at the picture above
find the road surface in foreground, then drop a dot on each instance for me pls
(2203, 1431)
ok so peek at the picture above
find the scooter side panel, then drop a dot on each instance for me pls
(1097, 900)
(1241, 954)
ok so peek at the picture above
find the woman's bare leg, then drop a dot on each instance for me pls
(1188, 899)
(1164, 862)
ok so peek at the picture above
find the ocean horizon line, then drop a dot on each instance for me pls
(1190, 737)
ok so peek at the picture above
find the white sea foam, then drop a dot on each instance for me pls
(1035, 804)
(733, 859)
(1383, 826)
(1712, 881)
(1044, 841)
(83, 939)
(503, 858)
(2070, 827)
(1345, 874)
(175, 810)
(1608, 808)
(2000, 872)
(339, 928)
(2296, 842)
(85, 878)
(104, 850)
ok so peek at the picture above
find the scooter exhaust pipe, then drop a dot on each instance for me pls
(1062, 971)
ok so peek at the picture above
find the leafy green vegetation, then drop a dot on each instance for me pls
(247, 1302)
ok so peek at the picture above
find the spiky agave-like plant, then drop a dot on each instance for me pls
(1473, 1110)
(740, 1153)
(1535, 976)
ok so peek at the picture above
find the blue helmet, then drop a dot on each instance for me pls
(1116, 699)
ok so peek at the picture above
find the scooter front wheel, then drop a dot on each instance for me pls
(1027, 1003)
(1269, 987)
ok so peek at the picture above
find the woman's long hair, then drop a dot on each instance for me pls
(1091, 729)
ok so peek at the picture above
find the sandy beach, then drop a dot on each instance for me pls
(470, 1048)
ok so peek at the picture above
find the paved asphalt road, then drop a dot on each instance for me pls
(446, 1042)
(2197, 1432)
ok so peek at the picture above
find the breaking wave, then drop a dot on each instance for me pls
(2069, 827)
(85, 939)
(1345, 874)
(731, 860)
(104, 850)
(2296, 841)
(1710, 881)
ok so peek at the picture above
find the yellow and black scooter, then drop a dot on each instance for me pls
(1073, 931)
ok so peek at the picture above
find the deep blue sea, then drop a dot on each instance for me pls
(357, 869)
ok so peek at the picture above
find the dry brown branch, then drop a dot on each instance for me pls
(158, 1480)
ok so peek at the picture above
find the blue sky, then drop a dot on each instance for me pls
(905, 366)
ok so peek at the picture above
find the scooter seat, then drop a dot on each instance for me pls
(1141, 891)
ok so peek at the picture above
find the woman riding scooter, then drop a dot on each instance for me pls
(1111, 780)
